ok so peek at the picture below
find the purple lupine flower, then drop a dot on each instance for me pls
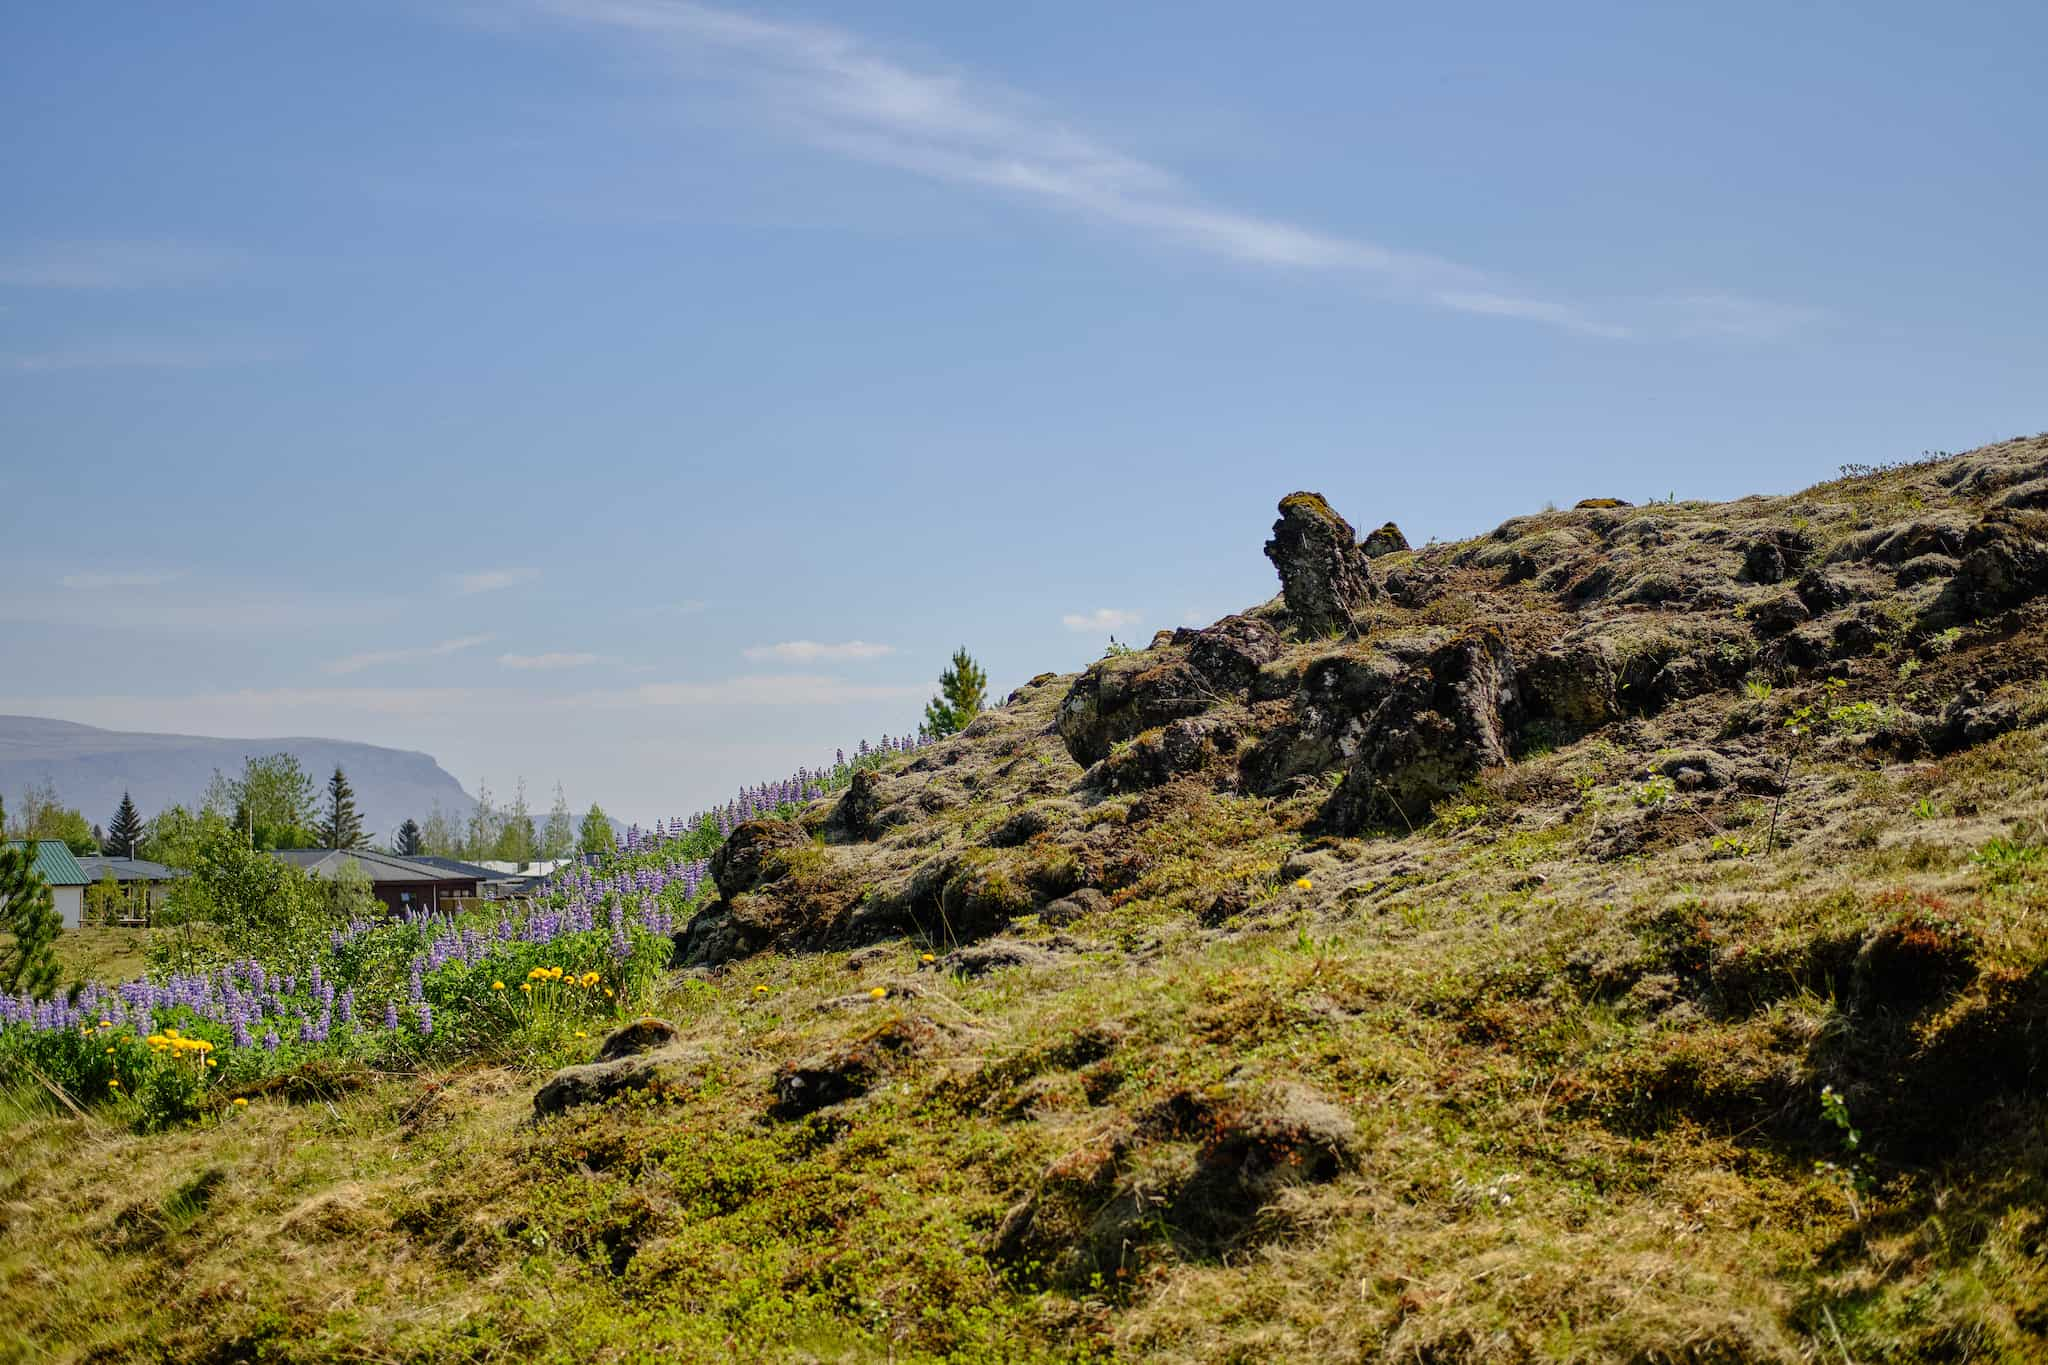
(426, 1014)
(270, 1041)
(390, 1014)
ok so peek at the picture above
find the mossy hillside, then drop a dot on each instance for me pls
(1539, 1078)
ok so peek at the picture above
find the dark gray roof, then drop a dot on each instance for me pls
(128, 869)
(458, 867)
(378, 867)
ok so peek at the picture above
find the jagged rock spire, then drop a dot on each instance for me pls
(1323, 572)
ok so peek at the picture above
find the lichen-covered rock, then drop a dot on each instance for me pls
(1181, 748)
(674, 1067)
(858, 812)
(850, 1070)
(1121, 698)
(1387, 540)
(1324, 575)
(641, 1035)
(1598, 504)
(1447, 718)
(747, 858)
(1073, 906)
(1231, 652)
(723, 931)
(1575, 682)
(995, 955)
(2004, 563)
(1775, 555)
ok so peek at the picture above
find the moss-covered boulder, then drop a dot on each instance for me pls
(1324, 574)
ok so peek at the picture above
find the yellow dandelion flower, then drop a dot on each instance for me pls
(241, 1103)
(211, 1062)
(106, 1023)
(113, 1085)
(1304, 884)
(554, 973)
(880, 992)
(931, 957)
(497, 985)
(607, 992)
(170, 1033)
(760, 990)
(581, 1034)
(110, 1052)
(526, 986)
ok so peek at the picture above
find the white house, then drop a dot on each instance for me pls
(66, 878)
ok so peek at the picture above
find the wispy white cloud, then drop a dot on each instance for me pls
(810, 651)
(115, 265)
(547, 662)
(98, 582)
(374, 658)
(779, 689)
(130, 355)
(491, 580)
(836, 91)
(1733, 317)
(1102, 618)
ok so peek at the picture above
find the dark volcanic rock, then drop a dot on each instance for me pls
(1446, 719)
(745, 859)
(2004, 563)
(596, 1082)
(858, 814)
(1231, 652)
(1121, 698)
(1385, 541)
(642, 1035)
(1575, 682)
(1323, 573)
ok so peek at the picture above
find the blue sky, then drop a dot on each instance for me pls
(647, 396)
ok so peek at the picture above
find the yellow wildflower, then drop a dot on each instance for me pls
(170, 1033)
(554, 973)
(211, 1062)
(106, 1023)
(113, 1085)
(241, 1103)
(526, 986)
(581, 1034)
(758, 990)
(880, 992)
(607, 992)
(110, 1052)
(497, 985)
(931, 957)
(1304, 884)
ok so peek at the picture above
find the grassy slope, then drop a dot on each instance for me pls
(1586, 1103)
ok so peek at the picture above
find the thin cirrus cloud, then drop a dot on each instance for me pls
(377, 658)
(100, 582)
(835, 91)
(115, 265)
(491, 580)
(1102, 618)
(774, 689)
(810, 651)
(548, 662)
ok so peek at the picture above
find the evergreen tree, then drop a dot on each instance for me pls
(408, 843)
(340, 826)
(963, 689)
(28, 964)
(124, 832)
(596, 834)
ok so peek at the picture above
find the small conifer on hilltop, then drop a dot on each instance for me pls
(963, 691)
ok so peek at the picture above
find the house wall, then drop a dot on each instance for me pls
(70, 903)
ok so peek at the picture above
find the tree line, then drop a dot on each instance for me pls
(275, 803)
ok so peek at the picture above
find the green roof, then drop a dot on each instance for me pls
(54, 862)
